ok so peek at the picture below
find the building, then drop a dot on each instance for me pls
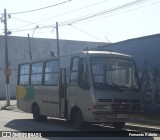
(18, 51)
(146, 51)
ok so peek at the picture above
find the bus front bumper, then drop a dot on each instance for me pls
(118, 117)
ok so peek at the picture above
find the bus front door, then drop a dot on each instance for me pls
(63, 94)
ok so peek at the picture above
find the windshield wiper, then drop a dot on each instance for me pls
(125, 87)
(133, 88)
(115, 86)
(109, 86)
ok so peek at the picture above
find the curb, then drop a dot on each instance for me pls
(147, 119)
(11, 107)
(150, 123)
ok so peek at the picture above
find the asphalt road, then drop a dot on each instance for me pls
(15, 120)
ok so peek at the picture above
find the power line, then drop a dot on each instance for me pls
(73, 10)
(25, 21)
(69, 22)
(136, 2)
(44, 27)
(52, 27)
(37, 23)
(41, 8)
(122, 12)
(108, 39)
(85, 32)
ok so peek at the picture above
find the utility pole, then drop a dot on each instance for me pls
(7, 71)
(30, 51)
(57, 38)
(29, 42)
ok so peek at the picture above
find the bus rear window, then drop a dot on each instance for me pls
(23, 74)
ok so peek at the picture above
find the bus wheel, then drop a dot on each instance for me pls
(36, 114)
(119, 125)
(78, 120)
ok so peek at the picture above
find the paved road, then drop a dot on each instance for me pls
(15, 120)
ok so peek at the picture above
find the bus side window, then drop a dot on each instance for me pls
(51, 72)
(83, 76)
(74, 71)
(36, 73)
(23, 75)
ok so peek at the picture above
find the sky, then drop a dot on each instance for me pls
(85, 20)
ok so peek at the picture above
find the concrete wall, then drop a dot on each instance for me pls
(18, 50)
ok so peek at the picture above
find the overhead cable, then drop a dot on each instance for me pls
(25, 21)
(37, 22)
(23, 12)
(103, 12)
(71, 22)
(158, 2)
(85, 32)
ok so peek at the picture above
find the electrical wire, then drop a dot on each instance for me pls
(40, 8)
(30, 29)
(37, 23)
(122, 12)
(73, 10)
(31, 23)
(121, 7)
(108, 39)
(85, 32)
(72, 21)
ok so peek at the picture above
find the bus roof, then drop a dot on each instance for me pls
(90, 53)
(106, 53)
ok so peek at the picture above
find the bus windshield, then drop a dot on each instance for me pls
(114, 74)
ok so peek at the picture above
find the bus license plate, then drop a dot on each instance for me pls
(121, 116)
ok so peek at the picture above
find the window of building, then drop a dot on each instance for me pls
(24, 74)
(51, 72)
(36, 73)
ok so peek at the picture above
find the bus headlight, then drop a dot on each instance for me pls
(100, 107)
(106, 107)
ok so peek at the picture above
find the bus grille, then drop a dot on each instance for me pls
(121, 107)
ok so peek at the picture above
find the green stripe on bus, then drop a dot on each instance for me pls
(30, 93)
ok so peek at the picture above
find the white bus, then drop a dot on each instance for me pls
(91, 86)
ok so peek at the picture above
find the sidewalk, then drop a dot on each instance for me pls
(13, 104)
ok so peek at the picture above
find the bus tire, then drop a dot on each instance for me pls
(36, 114)
(119, 125)
(78, 120)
